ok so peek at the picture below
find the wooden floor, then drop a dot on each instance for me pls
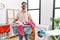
(17, 38)
(12, 38)
(31, 37)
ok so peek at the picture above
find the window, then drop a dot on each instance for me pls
(35, 16)
(11, 15)
(57, 3)
(34, 4)
(34, 7)
(57, 8)
(56, 11)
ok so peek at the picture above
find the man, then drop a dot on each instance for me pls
(23, 16)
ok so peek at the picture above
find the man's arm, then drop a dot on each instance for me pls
(15, 20)
(30, 18)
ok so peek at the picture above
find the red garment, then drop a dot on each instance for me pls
(20, 30)
(4, 28)
(31, 23)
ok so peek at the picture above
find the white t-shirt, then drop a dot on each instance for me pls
(23, 17)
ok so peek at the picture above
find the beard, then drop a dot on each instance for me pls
(23, 7)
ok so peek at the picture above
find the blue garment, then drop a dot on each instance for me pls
(27, 31)
(26, 37)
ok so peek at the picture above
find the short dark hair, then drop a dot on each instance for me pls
(24, 2)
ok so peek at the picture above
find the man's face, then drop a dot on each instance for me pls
(23, 5)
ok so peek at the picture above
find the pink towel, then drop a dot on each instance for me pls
(31, 23)
(20, 30)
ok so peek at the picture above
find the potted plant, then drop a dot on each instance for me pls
(56, 22)
(56, 26)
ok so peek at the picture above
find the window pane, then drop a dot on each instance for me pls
(57, 3)
(10, 20)
(35, 16)
(16, 11)
(10, 13)
(57, 13)
(33, 4)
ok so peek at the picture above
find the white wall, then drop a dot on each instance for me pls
(46, 11)
(9, 4)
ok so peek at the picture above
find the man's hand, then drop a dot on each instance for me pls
(15, 20)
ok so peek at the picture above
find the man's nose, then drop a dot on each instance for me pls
(23, 5)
